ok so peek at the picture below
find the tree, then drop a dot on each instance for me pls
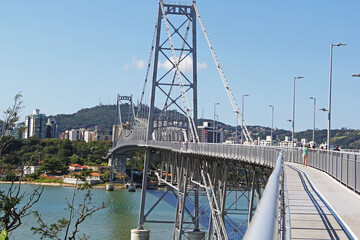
(53, 165)
(13, 204)
(77, 215)
(10, 213)
(11, 116)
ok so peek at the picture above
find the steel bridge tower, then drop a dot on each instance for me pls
(176, 44)
(208, 186)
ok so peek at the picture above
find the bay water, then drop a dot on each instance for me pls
(114, 222)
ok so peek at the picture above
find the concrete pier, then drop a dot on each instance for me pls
(137, 234)
(195, 235)
(109, 187)
(132, 188)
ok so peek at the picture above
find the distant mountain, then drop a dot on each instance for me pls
(104, 116)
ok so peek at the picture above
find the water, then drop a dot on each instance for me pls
(113, 222)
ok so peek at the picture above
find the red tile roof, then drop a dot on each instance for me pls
(95, 174)
(75, 165)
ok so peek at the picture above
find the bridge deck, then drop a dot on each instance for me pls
(310, 217)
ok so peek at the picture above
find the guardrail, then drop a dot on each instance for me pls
(261, 155)
(265, 223)
(343, 166)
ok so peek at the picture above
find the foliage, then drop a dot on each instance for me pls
(103, 116)
(48, 180)
(55, 154)
(53, 165)
(106, 176)
(4, 235)
(77, 214)
(138, 161)
(14, 206)
(11, 116)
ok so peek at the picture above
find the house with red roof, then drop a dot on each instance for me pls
(77, 167)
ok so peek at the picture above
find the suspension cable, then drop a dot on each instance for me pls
(147, 70)
(222, 75)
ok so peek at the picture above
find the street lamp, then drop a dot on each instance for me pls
(293, 119)
(313, 138)
(272, 122)
(292, 141)
(236, 122)
(330, 80)
(214, 132)
(242, 117)
(356, 75)
(324, 110)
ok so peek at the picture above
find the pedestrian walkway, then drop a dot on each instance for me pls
(320, 207)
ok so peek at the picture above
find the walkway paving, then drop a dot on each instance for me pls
(310, 218)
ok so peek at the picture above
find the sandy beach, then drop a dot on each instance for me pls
(116, 186)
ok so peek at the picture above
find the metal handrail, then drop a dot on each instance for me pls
(344, 166)
(265, 223)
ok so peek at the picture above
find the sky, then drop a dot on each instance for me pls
(67, 55)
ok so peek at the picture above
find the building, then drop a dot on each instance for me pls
(15, 130)
(30, 169)
(51, 129)
(74, 134)
(35, 125)
(288, 143)
(89, 136)
(208, 134)
(65, 135)
(86, 135)
(77, 167)
(266, 142)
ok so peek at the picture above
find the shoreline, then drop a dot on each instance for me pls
(98, 186)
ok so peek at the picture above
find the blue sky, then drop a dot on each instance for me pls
(68, 55)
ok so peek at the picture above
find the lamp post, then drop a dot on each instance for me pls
(324, 110)
(313, 138)
(293, 113)
(330, 81)
(242, 117)
(214, 132)
(292, 143)
(236, 122)
(272, 122)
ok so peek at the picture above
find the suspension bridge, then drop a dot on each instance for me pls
(212, 181)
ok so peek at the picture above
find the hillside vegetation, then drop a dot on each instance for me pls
(104, 116)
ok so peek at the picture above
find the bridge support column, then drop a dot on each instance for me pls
(195, 235)
(110, 186)
(137, 234)
(140, 233)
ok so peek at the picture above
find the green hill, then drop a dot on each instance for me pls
(104, 116)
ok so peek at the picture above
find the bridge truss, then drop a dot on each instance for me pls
(209, 182)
